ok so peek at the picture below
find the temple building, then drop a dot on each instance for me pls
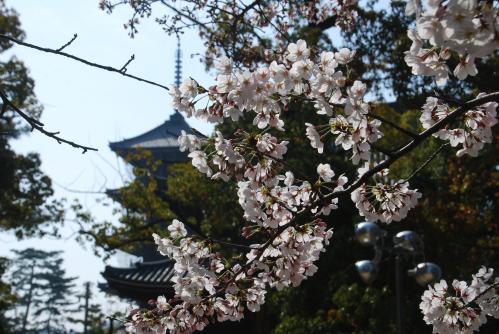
(150, 277)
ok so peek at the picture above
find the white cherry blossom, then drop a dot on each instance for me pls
(325, 172)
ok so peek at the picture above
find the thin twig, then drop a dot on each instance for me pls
(227, 243)
(492, 286)
(68, 43)
(81, 60)
(446, 98)
(76, 191)
(3, 110)
(114, 318)
(198, 234)
(37, 125)
(123, 69)
(393, 125)
(430, 158)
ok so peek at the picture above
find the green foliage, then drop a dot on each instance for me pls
(218, 216)
(350, 310)
(141, 209)
(25, 204)
(9, 22)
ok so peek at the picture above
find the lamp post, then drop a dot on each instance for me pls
(406, 245)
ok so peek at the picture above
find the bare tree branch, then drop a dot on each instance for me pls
(393, 125)
(37, 125)
(123, 68)
(81, 60)
(427, 161)
(68, 43)
(3, 110)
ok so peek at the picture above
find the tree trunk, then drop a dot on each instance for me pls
(87, 297)
(48, 324)
(30, 294)
(111, 323)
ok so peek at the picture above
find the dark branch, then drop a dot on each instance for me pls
(393, 125)
(111, 248)
(81, 60)
(446, 98)
(123, 69)
(427, 161)
(68, 43)
(492, 286)
(381, 150)
(188, 17)
(37, 125)
(326, 24)
(3, 110)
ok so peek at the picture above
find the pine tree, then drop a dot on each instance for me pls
(45, 293)
(89, 314)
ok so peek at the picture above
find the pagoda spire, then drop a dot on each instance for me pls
(178, 64)
(177, 79)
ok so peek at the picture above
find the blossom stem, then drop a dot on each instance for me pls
(427, 161)
(393, 125)
(492, 286)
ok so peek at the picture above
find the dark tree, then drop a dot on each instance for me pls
(90, 315)
(45, 292)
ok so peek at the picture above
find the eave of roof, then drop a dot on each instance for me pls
(146, 273)
(162, 136)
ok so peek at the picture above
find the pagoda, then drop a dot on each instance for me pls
(150, 277)
(145, 280)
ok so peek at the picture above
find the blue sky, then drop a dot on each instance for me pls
(91, 106)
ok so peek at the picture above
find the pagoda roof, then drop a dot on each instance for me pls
(142, 281)
(162, 140)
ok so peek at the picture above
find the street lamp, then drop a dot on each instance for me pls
(426, 273)
(367, 270)
(406, 245)
(408, 240)
(368, 233)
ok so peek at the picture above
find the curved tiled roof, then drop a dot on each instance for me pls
(162, 136)
(162, 141)
(142, 281)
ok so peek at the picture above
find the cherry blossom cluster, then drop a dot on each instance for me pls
(252, 157)
(208, 288)
(267, 90)
(385, 202)
(461, 308)
(274, 203)
(468, 28)
(475, 132)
